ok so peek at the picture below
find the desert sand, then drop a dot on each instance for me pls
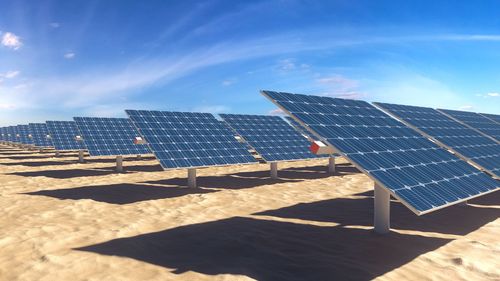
(62, 220)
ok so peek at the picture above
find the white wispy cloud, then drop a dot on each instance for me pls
(277, 111)
(228, 82)
(466, 107)
(54, 24)
(10, 40)
(10, 74)
(69, 55)
(340, 86)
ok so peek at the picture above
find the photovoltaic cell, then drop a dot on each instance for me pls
(189, 139)
(463, 140)
(11, 134)
(421, 174)
(476, 121)
(493, 117)
(109, 136)
(2, 134)
(271, 136)
(23, 134)
(63, 135)
(39, 133)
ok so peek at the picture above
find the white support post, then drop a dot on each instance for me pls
(80, 156)
(139, 157)
(331, 165)
(119, 164)
(274, 170)
(58, 153)
(192, 178)
(382, 207)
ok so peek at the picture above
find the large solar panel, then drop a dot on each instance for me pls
(271, 136)
(475, 121)
(189, 139)
(421, 174)
(463, 140)
(39, 133)
(493, 117)
(63, 135)
(2, 134)
(23, 134)
(10, 134)
(109, 136)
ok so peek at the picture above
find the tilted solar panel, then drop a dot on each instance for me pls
(463, 140)
(63, 135)
(296, 125)
(109, 136)
(421, 174)
(271, 136)
(10, 134)
(39, 133)
(493, 117)
(23, 134)
(17, 134)
(189, 139)
(475, 121)
(2, 134)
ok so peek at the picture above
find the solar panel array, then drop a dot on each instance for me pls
(63, 135)
(109, 136)
(189, 139)
(422, 175)
(23, 134)
(11, 134)
(465, 141)
(271, 136)
(296, 125)
(3, 134)
(476, 121)
(493, 117)
(39, 133)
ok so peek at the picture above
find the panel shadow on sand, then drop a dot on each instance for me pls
(120, 193)
(272, 250)
(457, 219)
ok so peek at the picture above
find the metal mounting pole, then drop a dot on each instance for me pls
(119, 163)
(331, 164)
(192, 178)
(138, 157)
(274, 170)
(58, 153)
(80, 156)
(382, 207)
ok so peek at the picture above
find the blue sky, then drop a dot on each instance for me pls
(60, 59)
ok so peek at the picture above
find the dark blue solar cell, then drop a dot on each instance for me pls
(63, 135)
(493, 117)
(272, 137)
(40, 135)
(109, 136)
(421, 174)
(189, 139)
(476, 121)
(456, 136)
(23, 134)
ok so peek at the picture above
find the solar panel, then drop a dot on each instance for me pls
(421, 174)
(2, 134)
(475, 121)
(109, 136)
(272, 137)
(10, 134)
(493, 117)
(189, 139)
(468, 143)
(23, 132)
(63, 135)
(39, 133)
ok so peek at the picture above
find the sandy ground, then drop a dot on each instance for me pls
(62, 220)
